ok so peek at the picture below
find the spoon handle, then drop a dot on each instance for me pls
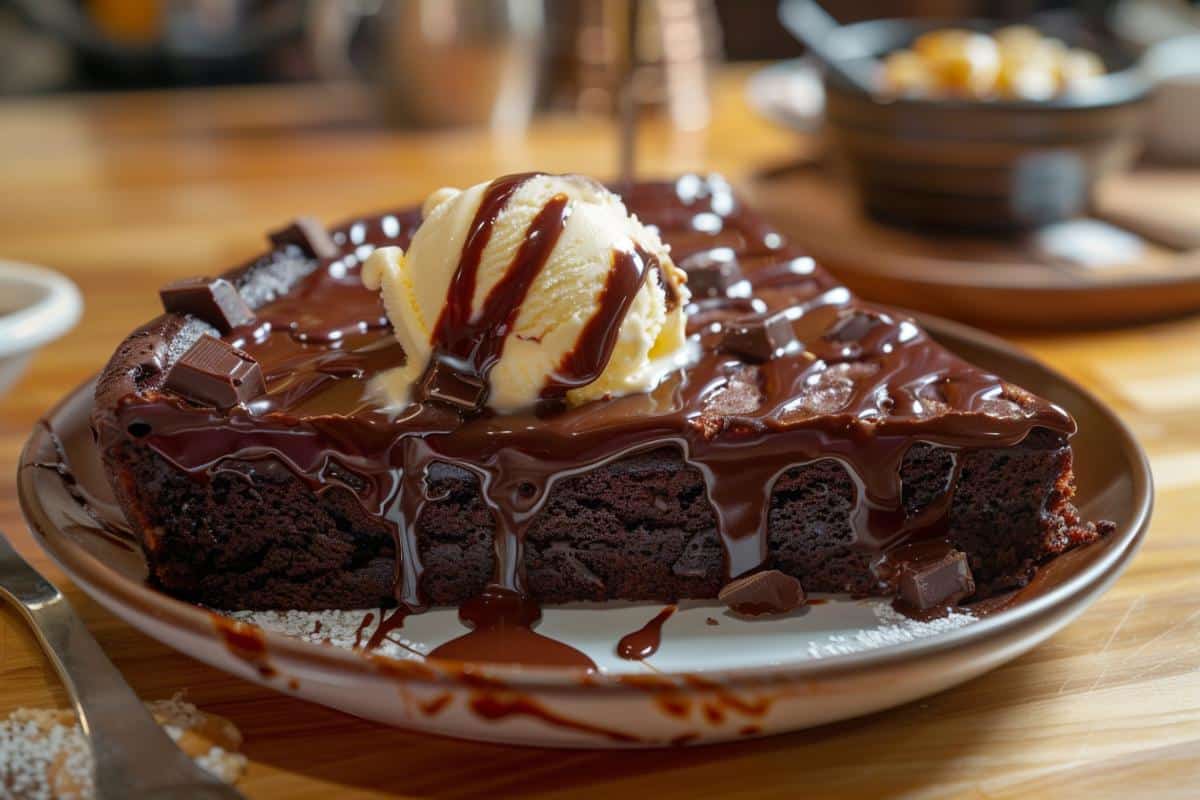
(814, 27)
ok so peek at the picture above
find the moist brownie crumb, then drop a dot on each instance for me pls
(257, 537)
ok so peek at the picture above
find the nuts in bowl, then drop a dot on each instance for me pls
(1016, 62)
(990, 128)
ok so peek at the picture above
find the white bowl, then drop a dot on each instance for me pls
(36, 307)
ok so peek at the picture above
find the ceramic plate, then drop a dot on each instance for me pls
(714, 677)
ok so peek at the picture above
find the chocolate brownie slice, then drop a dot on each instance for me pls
(867, 438)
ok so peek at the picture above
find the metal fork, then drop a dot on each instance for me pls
(134, 757)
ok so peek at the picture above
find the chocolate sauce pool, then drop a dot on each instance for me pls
(860, 385)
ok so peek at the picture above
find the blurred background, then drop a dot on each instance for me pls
(1024, 162)
(1058, 154)
(434, 63)
(103, 45)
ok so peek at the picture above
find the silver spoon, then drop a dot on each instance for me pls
(814, 27)
(133, 756)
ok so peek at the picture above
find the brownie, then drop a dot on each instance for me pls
(280, 502)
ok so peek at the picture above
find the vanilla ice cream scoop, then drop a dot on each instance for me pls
(531, 287)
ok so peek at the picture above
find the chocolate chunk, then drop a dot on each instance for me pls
(853, 325)
(944, 581)
(214, 300)
(767, 592)
(711, 272)
(309, 235)
(215, 373)
(758, 338)
(445, 384)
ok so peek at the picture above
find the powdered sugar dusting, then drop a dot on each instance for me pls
(345, 629)
(894, 628)
(44, 754)
(31, 742)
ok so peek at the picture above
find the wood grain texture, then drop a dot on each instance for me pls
(124, 193)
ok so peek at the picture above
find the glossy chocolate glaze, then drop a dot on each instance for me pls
(861, 386)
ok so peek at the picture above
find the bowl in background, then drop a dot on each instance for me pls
(981, 165)
(37, 306)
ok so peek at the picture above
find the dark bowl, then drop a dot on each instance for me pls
(982, 165)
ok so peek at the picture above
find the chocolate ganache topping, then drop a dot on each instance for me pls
(790, 369)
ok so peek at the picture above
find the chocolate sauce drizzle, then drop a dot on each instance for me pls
(473, 343)
(858, 392)
(594, 348)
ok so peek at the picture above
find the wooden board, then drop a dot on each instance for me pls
(1137, 260)
(125, 193)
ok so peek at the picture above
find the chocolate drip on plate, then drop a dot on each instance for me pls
(501, 623)
(645, 641)
(389, 621)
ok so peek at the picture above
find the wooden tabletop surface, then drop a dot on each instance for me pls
(123, 193)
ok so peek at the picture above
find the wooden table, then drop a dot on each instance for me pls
(124, 193)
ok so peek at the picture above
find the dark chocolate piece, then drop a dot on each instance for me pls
(945, 581)
(763, 593)
(711, 273)
(758, 338)
(309, 235)
(444, 384)
(853, 325)
(216, 373)
(214, 300)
